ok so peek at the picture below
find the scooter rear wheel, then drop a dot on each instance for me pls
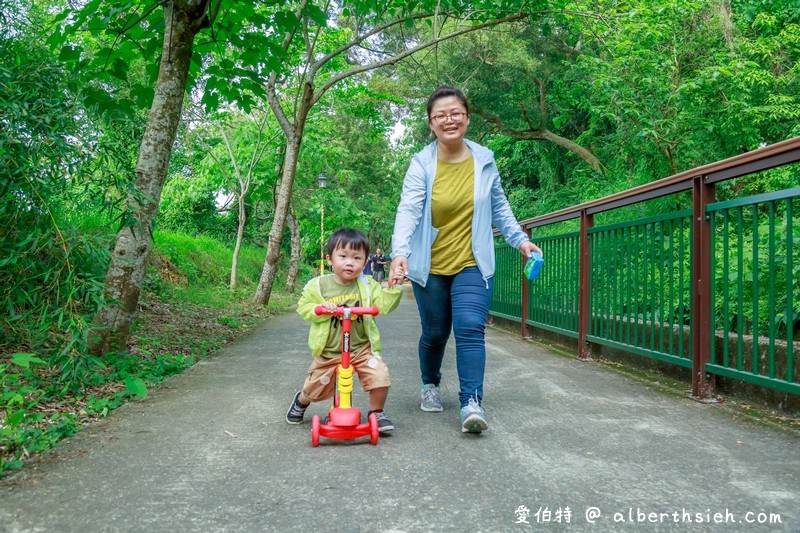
(315, 431)
(373, 429)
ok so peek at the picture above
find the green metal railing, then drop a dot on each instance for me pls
(507, 284)
(641, 292)
(552, 302)
(715, 288)
(553, 299)
(756, 286)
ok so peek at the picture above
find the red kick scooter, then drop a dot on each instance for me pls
(344, 420)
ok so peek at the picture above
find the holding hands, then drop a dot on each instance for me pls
(398, 270)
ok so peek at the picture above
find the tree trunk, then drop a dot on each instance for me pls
(294, 261)
(267, 280)
(126, 271)
(239, 237)
(294, 138)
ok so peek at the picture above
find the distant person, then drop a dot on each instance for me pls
(443, 242)
(368, 266)
(379, 262)
(347, 254)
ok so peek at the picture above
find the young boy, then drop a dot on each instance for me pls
(348, 250)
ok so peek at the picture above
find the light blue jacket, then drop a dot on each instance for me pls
(414, 233)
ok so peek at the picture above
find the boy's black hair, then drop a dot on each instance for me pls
(444, 91)
(348, 238)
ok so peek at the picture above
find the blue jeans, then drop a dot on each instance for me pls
(460, 302)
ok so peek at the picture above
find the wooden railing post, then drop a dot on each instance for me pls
(524, 331)
(702, 383)
(584, 348)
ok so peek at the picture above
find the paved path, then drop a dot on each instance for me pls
(209, 451)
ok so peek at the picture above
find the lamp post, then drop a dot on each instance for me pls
(322, 181)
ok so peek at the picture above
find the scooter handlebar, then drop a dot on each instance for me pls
(354, 311)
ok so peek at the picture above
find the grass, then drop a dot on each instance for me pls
(186, 312)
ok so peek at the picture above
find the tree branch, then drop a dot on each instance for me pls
(525, 116)
(277, 110)
(261, 145)
(358, 40)
(392, 60)
(227, 141)
(539, 134)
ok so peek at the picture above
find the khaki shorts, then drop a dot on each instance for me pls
(320, 383)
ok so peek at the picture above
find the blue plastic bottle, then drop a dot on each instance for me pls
(533, 266)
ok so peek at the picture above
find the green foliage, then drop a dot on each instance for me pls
(231, 322)
(192, 210)
(188, 276)
(21, 432)
(118, 44)
(688, 86)
(136, 386)
(523, 201)
(52, 252)
(206, 261)
(25, 359)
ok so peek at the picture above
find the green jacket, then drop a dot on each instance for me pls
(371, 294)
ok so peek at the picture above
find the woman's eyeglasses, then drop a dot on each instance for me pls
(455, 118)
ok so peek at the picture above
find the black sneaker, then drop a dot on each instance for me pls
(384, 424)
(296, 411)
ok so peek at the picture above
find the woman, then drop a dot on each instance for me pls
(443, 243)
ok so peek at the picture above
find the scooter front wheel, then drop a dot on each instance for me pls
(373, 428)
(315, 431)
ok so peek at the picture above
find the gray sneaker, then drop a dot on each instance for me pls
(385, 425)
(296, 411)
(473, 419)
(431, 401)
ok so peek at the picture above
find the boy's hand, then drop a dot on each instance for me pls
(396, 278)
(330, 306)
(398, 270)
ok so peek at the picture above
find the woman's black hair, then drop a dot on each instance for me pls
(444, 91)
(348, 238)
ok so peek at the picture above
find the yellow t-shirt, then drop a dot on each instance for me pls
(348, 296)
(452, 205)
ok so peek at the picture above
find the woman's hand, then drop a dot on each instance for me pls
(527, 248)
(398, 270)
